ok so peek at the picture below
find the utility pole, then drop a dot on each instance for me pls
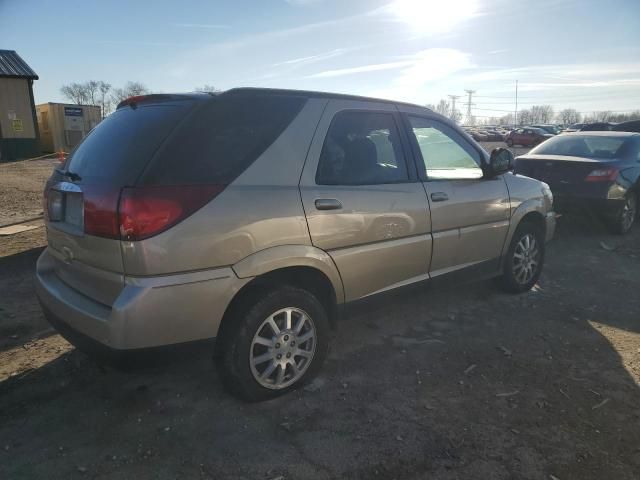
(515, 117)
(453, 106)
(469, 104)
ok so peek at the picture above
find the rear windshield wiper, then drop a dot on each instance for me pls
(69, 174)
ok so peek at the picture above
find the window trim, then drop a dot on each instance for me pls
(477, 155)
(404, 148)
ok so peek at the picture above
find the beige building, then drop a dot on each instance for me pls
(63, 125)
(18, 127)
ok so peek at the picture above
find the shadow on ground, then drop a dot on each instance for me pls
(448, 382)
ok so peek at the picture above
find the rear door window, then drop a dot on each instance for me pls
(222, 138)
(120, 146)
(362, 148)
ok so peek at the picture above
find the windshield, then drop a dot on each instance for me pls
(582, 146)
(549, 129)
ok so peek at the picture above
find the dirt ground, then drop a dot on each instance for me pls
(448, 382)
(21, 185)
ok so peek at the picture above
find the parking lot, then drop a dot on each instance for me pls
(448, 382)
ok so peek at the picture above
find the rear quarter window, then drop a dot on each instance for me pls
(118, 149)
(221, 139)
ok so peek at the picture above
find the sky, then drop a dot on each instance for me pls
(582, 54)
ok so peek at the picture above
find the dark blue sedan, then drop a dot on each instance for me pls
(599, 171)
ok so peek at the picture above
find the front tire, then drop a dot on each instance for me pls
(509, 142)
(626, 215)
(277, 343)
(524, 260)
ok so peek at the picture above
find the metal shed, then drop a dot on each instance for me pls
(62, 125)
(19, 136)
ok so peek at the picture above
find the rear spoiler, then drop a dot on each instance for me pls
(136, 100)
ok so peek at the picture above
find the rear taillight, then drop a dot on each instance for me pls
(136, 213)
(101, 211)
(602, 175)
(147, 211)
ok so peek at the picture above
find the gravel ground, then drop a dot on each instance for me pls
(450, 382)
(21, 185)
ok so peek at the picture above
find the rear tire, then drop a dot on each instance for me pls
(524, 260)
(625, 216)
(509, 142)
(275, 344)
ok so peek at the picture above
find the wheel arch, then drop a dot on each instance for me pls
(301, 266)
(532, 211)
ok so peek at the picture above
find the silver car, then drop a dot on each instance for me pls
(253, 216)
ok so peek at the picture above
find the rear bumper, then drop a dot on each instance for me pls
(149, 312)
(601, 206)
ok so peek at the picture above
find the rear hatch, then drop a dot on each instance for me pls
(82, 197)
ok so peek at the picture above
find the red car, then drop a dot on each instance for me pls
(527, 136)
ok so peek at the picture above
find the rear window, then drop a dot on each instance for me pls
(221, 139)
(582, 146)
(118, 149)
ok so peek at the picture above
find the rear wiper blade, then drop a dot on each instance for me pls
(69, 174)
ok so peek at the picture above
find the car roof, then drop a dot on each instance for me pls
(315, 94)
(156, 97)
(602, 133)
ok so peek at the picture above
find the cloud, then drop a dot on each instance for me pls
(313, 58)
(567, 75)
(361, 69)
(302, 2)
(418, 69)
(201, 25)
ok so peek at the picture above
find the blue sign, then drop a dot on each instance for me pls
(72, 111)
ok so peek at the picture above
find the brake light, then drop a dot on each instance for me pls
(136, 213)
(131, 101)
(602, 175)
(101, 211)
(147, 211)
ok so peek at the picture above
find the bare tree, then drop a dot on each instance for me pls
(105, 101)
(206, 88)
(131, 89)
(569, 116)
(91, 88)
(604, 116)
(546, 113)
(506, 119)
(76, 92)
(540, 114)
(524, 117)
(443, 108)
(625, 117)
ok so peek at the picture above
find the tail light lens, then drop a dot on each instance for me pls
(101, 211)
(136, 213)
(147, 211)
(602, 175)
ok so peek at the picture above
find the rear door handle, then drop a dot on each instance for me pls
(328, 204)
(439, 197)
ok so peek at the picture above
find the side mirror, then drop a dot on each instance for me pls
(501, 161)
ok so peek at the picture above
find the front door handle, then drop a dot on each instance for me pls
(328, 204)
(439, 197)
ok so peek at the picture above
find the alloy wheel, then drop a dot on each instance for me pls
(526, 259)
(628, 213)
(282, 348)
